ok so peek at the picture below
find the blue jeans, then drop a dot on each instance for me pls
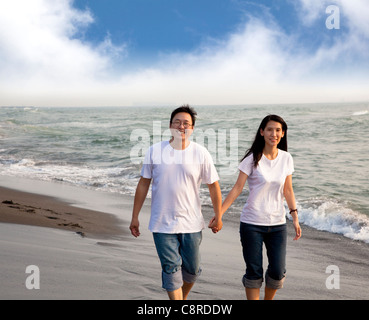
(179, 256)
(275, 239)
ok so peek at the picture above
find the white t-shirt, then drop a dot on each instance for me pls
(265, 205)
(176, 178)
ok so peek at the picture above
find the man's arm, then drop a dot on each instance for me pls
(140, 196)
(216, 223)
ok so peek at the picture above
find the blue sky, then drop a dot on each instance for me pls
(169, 52)
(151, 28)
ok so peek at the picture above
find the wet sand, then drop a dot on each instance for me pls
(37, 210)
(87, 254)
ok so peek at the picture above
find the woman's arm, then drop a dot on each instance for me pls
(235, 192)
(232, 196)
(291, 202)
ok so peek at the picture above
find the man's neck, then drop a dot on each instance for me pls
(179, 144)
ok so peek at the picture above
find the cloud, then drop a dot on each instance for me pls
(41, 51)
(44, 61)
(260, 63)
(239, 66)
(348, 53)
(310, 11)
(37, 39)
(354, 13)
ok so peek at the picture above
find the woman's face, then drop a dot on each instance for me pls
(272, 133)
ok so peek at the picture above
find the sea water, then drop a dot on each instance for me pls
(103, 149)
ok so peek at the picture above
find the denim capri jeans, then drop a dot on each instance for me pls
(275, 239)
(179, 255)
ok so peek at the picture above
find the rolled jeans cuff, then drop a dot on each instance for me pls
(172, 281)
(272, 283)
(252, 284)
(190, 278)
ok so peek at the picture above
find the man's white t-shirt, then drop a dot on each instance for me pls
(265, 204)
(176, 178)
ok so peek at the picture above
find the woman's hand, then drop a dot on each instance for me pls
(215, 224)
(297, 227)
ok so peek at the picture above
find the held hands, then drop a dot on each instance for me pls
(215, 224)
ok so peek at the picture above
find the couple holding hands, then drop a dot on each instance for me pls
(177, 168)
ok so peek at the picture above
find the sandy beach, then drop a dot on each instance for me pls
(37, 210)
(89, 254)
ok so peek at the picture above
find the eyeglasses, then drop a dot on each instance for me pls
(178, 123)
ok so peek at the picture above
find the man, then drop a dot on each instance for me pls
(177, 169)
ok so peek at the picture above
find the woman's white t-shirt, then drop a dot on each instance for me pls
(176, 178)
(265, 204)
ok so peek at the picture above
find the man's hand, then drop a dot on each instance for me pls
(140, 196)
(215, 225)
(135, 227)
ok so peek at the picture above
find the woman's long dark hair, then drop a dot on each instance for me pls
(259, 142)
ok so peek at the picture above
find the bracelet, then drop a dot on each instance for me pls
(294, 210)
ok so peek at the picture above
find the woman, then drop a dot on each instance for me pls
(268, 168)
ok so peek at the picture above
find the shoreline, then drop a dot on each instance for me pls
(109, 263)
(25, 208)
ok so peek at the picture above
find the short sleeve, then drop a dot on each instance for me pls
(247, 165)
(290, 165)
(146, 171)
(209, 172)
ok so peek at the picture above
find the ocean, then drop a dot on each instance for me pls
(103, 148)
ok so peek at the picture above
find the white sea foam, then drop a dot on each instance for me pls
(116, 180)
(90, 148)
(360, 113)
(336, 217)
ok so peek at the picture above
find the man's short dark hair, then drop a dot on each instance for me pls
(187, 109)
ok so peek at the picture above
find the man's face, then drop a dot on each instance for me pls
(181, 126)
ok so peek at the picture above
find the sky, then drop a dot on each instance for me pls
(171, 52)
